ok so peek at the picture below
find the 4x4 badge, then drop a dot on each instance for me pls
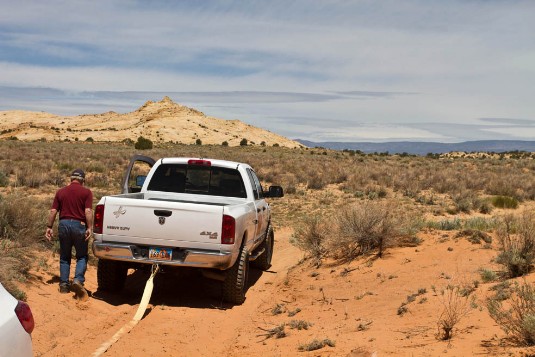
(161, 220)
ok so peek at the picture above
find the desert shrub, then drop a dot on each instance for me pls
(363, 228)
(316, 181)
(311, 237)
(502, 291)
(516, 236)
(485, 207)
(518, 321)
(446, 224)
(198, 142)
(299, 324)
(22, 224)
(143, 143)
(464, 201)
(4, 180)
(480, 223)
(456, 304)
(474, 236)
(317, 344)
(276, 332)
(487, 275)
(243, 142)
(505, 202)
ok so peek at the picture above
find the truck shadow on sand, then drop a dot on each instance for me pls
(174, 288)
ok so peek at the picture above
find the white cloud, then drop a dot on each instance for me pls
(445, 62)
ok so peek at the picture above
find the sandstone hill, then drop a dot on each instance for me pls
(163, 121)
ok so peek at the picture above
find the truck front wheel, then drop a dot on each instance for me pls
(235, 283)
(111, 275)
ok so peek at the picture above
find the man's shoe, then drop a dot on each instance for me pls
(79, 291)
(64, 289)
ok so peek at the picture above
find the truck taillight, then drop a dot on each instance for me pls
(25, 316)
(228, 230)
(199, 162)
(99, 219)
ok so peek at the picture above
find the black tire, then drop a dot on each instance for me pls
(235, 284)
(263, 262)
(111, 275)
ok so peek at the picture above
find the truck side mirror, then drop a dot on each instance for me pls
(140, 180)
(275, 191)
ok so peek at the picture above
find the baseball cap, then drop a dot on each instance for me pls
(78, 173)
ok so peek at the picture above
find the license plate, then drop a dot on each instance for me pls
(161, 253)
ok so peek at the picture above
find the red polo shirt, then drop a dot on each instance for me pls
(71, 201)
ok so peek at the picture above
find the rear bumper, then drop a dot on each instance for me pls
(198, 258)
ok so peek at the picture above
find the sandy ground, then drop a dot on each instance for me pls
(355, 306)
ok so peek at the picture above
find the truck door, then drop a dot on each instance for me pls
(262, 211)
(135, 174)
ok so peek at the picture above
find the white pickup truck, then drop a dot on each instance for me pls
(186, 212)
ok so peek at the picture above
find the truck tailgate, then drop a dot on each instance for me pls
(162, 222)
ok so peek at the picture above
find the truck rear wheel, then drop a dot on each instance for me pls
(235, 283)
(111, 275)
(263, 262)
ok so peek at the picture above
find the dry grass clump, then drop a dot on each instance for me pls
(363, 228)
(317, 344)
(516, 236)
(299, 324)
(518, 321)
(22, 227)
(356, 230)
(276, 332)
(311, 236)
(456, 305)
(370, 226)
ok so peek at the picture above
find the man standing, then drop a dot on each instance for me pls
(74, 204)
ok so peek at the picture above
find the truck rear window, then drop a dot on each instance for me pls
(201, 180)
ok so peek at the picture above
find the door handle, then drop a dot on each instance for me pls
(163, 213)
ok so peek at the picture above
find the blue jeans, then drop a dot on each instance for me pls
(72, 233)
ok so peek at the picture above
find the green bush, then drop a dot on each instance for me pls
(487, 275)
(143, 143)
(4, 180)
(505, 202)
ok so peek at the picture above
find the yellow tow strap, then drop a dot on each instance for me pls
(137, 317)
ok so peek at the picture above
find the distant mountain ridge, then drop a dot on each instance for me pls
(423, 148)
(161, 122)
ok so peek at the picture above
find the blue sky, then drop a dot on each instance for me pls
(370, 70)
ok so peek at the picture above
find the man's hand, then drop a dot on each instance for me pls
(51, 218)
(49, 233)
(88, 233)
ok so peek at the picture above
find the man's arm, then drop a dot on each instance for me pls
(50, 223)
(89, 222)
